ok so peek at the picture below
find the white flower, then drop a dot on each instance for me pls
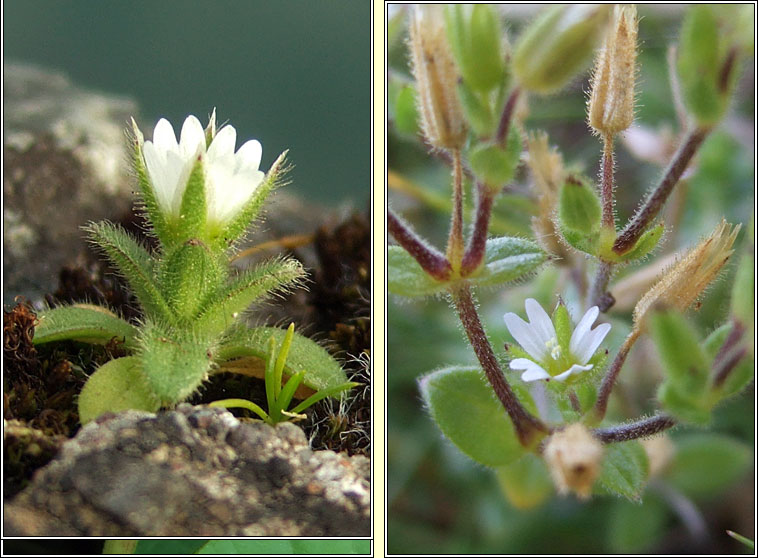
(230, 178)
(551, 361)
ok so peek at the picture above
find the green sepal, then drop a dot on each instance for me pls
(406, 112)
(706, 464)
(174, 362)
(699, 63)
(193, 212)
(508, 259)
(713, 342)
(118, 385)
(475, 38)
(462, 404)
(220, 310)
(305, 355)
(406, 277)
(147, 196)
(494, 164)
(188, 277)
(556, 46)
(624, 471)
(579, 215)
(133, 262)
(562, 323)
(224, 238)
(738, 379)
(526, 482)
(87, 323)
(478, 111)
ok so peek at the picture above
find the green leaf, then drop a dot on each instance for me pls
(174, 362)
(464, 407)
(478, 111)
(625, 470)
(507, 259)
(333, 547)
(494, 164)
(525, 482)
(83, 322)
(241, 404)
(739, 378)
(406, 114)
(713, 342)
(686, 366)
(684, 406)
(579, 207)
(133, 262)
(644, 245)
(323, 394)
(706, 464)
(321, 370)
(634, 528)
(220, 311)
(118, 385)
(406, 277)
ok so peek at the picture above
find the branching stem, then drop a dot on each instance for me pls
(455, 238)
(477, 243)
(610, 377)
(428, 257)
(641, 429)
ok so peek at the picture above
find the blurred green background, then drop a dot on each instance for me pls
(441, 502)
(292, 73)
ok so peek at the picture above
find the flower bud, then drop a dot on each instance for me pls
(436, 79)
(557, 46)
(686, 279)
(611, 103)
(574, 457)
(475, 38)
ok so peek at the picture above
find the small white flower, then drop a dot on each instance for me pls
(538, 338)
(230, 178)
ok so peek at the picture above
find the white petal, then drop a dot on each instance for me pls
(163, 135)
(525, 336)
(155, 163)
(533, 370)
(540, 321)
(578, 337)
(575, 369)
(223, 143)
(591, 342)
(192, 138)
(249, 155)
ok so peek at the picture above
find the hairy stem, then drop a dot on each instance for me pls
(478, 241)
(599, 295)
(527, 426)
(501, 135)
(610, 377)
(455, 238)
(658, 197)
(428, 257)
(608, 185)
(640, 429)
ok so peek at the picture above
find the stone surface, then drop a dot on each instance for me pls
(195, 471)
(65, 163)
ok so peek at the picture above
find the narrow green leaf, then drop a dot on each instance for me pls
(289, 389)
(625, 470)
(464, 407)
(405, 276)
(269, 377)
(281, 358)
(133, 262)
(525, 482)
(508, 259)
(706, 464)
(83, 322)
(118, 385)
(220, 310)
(744, 540)
(305, 355)
(240, 404)
(322, 394)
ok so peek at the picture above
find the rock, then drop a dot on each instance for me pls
(194, 471)
(66, 163)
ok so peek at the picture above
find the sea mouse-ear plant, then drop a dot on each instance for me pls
(199, 195)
